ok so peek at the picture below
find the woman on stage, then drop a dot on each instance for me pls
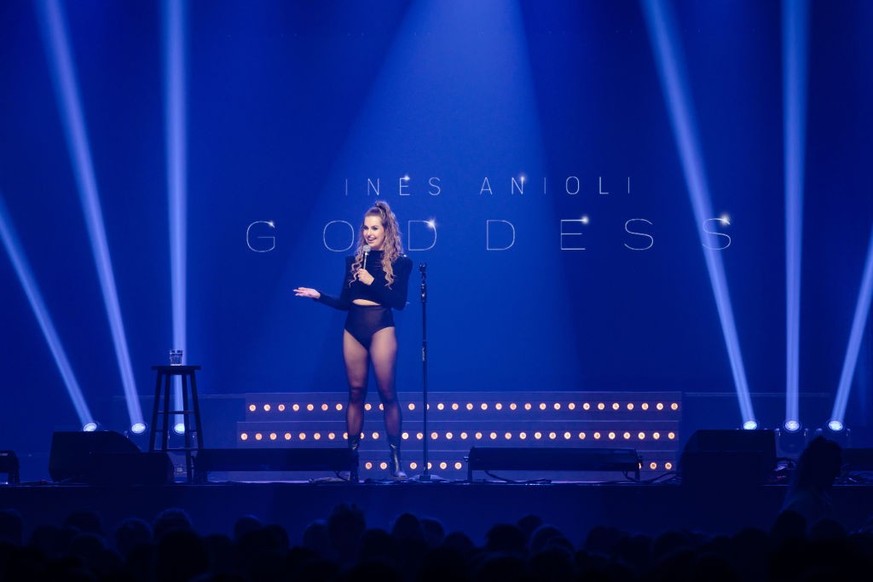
(375, 281)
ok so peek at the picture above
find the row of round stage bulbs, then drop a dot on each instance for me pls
(537, 435)
(458, 466)
(600, 406)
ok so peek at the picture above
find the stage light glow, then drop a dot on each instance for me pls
(89, 427)
(281, 408)
(791, 425)
(37, 305)
(431, 223)
(669, 61)
(856, 336)
(835, 425)
(138, 428)
(266, 408)
(296, 407)
(795, 19)
(175, 126)
(287, 436)
(310, 407)
(252, 408)
(63, 74)
(244, 436)
(273, 436)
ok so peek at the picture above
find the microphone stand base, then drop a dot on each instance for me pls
(427, 478)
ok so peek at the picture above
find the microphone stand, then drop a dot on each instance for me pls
(425, 474)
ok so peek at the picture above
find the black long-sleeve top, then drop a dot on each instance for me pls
(377, 292)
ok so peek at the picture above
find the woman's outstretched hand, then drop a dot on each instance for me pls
(307, 292)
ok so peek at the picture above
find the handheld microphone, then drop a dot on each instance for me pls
(366, 249)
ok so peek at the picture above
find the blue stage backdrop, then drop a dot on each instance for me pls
(526, 147)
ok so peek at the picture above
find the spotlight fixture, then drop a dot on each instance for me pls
(836, 431)
(791, 439)
(138, 428)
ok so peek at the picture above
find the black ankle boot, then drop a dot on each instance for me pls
(354, 442)
(394, 466)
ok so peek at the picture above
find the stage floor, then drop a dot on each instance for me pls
(471, 507)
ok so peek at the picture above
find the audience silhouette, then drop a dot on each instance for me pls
(804, 542)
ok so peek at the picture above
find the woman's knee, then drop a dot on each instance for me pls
(357, 394)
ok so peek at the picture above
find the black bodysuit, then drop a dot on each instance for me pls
(365, 320)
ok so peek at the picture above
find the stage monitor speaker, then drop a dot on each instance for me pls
(728, 457)
(10, 467)
(552, 459)
(70, 456)
(267, 459)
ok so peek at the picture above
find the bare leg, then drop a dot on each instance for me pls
(355, 356)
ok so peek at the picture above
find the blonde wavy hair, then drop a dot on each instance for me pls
(392, 248)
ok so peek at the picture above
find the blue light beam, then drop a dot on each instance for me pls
(659, 21)
(174, 21)
(34, 296)
(862, 311)
(795, 23)
(53, 28)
